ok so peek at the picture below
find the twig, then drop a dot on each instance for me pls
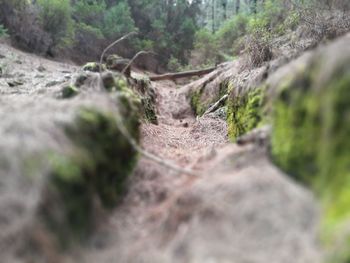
(134, 58)
(113, 44)
(216, 105)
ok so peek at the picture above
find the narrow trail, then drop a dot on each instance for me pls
(239, 206)
(228, 209)
(179, 136)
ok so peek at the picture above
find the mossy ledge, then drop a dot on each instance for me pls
(311, 140)
(196, 104)
(94, 67)
(148, 99)
(244, 112)
(199, 104)
(95, 172)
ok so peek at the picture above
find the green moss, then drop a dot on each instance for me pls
(311, 141)
(80, 80)
(196, 104)
(244, 113)
(98, 168)
(69, 216)
(114, 82)
(93, 67)
(111, 60)
(140, 93)
(112, 157)
(149, 110)
(69, 91)
(148, 99)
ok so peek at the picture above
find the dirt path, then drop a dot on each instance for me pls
(239, 206)
(233, 206)
(179, 136)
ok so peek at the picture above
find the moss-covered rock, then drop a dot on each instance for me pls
(115, 62)
(311, 137)
(244, 112)
(97, 169)
(114, 82)
(94, 67)
(80, 79)
(69, 91)
(148, 99)
(197, 106)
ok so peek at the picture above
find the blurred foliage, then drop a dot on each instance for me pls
(247, 31)
(55, 16)
(3, 31)
(118, 21)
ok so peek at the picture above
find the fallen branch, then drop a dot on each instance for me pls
(185, 74)
(134, 58)
(216, 105)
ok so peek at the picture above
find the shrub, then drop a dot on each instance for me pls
(118, 21)
(21, 20)
(232, 30)
(89, 12)
(173, 64)
(88, 40)
(206, 46)
(55, 16)
(258, 43)
(3, 31)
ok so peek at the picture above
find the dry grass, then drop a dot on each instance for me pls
(325, 19)
(259, 50)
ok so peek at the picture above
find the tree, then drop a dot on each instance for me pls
(56, 19)
(117, 21)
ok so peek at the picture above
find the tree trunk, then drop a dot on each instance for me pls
(254, 6)
(185, 74)
(238, 6)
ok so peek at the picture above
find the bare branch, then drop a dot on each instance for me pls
(135, 57)
(216, 105)
(113, 44)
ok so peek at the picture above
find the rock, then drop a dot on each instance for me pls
(54, 83)
(69, 91)
(244, 112)
(148, 99)
(69, 162)
(41, 68)
(311, 133)
(259, 136)
(94, 67)
(15, 83)
(114, 62)
(80, 79)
